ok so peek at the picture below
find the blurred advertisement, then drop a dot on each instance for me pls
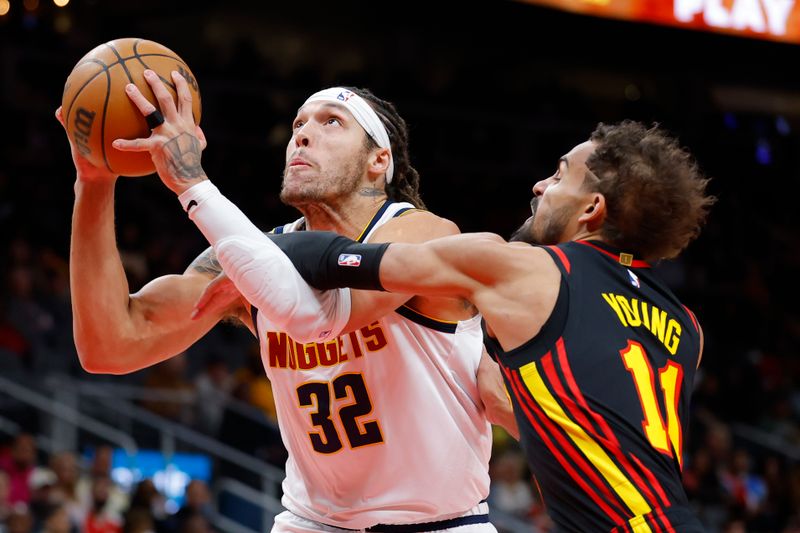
(777, 20)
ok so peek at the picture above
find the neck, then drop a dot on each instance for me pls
(347, 217)
(586, 235)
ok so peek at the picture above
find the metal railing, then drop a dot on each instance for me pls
(64, 411)
(171, 432)
(132, 392)
(12, 429)
(68, 414)
(766, 440)
(271, 507)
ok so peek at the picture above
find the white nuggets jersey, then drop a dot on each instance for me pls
(384, 424)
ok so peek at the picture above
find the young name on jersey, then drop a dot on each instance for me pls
(635, 313)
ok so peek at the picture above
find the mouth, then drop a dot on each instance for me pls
(534, 205)
(297, 162)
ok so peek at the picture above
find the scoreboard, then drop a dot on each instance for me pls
(777, 20)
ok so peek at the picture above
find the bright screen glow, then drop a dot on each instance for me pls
(169, 476)
(777, 20)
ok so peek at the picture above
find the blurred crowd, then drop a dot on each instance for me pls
(57, 495)
(478, 159)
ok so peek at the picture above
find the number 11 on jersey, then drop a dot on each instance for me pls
(670, 376)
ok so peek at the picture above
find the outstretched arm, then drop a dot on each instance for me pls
(458, 265)
(513, 285)
(116, 332)
(461, 265)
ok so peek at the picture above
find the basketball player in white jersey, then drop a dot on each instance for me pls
(377, 397)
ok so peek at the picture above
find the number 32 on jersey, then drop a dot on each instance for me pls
(352, 402)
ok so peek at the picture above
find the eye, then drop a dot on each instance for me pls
(297, 124)
(333, 120)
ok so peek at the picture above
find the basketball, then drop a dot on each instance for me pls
(96, 109)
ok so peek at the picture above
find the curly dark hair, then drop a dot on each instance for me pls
(405, 182)
(655, 195)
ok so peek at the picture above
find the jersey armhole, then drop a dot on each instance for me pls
(559, 258)
(490, 343)
(694, 319)
(551, 331)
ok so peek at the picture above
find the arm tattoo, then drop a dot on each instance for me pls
(366, 191)
(206, 263)
(184, 157)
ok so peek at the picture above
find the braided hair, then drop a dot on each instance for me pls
(405, 182)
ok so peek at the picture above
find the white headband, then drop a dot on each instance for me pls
(364, 115)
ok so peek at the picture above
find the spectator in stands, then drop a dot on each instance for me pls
(170, 377)
(213, 387)
(146, 510)
(58, 520)
(41, 482)
(64, 492)
(26, 312)
(701, 480)
(101, 516)
(511, 489)
(20, 520)
(196, 523)
(19, 465)
(198, 503)
(139, 520)
(100, 467)
(745, 490)
(15, 350)
(5, 490)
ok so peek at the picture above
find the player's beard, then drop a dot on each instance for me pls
(327, 187)
(525, 232)
(545, 231)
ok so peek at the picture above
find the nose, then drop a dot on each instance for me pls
(302, 137)
(539, 187)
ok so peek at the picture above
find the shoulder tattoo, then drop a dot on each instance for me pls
(206, 263)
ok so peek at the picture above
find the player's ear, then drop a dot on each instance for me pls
(594, 211)
(378, 163)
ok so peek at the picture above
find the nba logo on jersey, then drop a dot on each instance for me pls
(349, 260)
(634, 279)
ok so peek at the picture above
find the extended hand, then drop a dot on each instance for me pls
(86, 171)
(175, 146)
(219, 295)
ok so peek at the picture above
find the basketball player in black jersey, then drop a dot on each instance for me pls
(598, 355)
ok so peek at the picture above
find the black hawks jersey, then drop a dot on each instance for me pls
(601, 395)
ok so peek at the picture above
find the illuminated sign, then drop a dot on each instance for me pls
(777, 20)
(169, 475)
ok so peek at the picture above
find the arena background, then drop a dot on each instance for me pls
(494, 92)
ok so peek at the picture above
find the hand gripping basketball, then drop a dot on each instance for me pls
(97, 110)
(86, 170)
(175, 142)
